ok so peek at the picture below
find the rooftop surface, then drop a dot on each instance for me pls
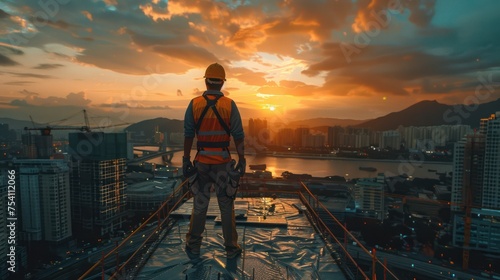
(278, 242)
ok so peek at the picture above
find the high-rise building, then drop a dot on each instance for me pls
(428, 137)
(314, 140)
(44, 200)
(38, 146)
(31, 217)
(369, 196)
(475, 187)
(468, 167)
(251, 127)
(257, 129)
(98, 182)
(491, 188)
(300, 135)
(4, 131)
(284, 137)
(333, 136)
(391, 139)
(362, 140)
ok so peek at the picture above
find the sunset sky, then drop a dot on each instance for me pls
(285, 60)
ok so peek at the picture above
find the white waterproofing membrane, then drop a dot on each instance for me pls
(279, 244)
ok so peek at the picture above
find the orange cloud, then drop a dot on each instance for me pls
(378, 13)
(249, 77)
(247, 39)
(286, 87)
(88, 15)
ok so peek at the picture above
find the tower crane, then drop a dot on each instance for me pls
(47, 129)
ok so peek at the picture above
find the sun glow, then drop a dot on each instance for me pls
(269, 107)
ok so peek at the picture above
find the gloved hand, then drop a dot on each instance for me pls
(188, 169)
(241, 166)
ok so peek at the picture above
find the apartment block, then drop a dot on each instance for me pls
(369, 196)
(44, 199)
(476, 186)
(98, 183)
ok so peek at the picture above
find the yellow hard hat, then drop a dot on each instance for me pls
(215, 71)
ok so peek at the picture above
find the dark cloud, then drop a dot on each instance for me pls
(10, 50)
(140, 106)
(137, 106)
(48, 66)
(3, 14)
(30, 75)
(189, 54)
(33, 99)
(421, 12)
(124, 60)
(28, 93)
(18, 83)
(113, 105)
(88, 39)
(6, 61)
(143, 39)
(19, 103)
(5, 51)
(60, 24)
(395, 70)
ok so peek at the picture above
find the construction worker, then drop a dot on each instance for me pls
(213, 118)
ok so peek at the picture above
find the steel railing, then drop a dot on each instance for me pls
(162, 214)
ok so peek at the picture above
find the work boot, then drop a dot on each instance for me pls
(233, 253)
(192, 254)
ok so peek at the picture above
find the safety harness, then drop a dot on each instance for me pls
(205, 144)
(233, 177)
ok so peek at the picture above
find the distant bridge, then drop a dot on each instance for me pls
(167, 152)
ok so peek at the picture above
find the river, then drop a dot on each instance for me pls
(345, 167)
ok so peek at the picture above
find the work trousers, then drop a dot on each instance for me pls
(212, 175)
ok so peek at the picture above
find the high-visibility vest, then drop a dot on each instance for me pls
(212, 131)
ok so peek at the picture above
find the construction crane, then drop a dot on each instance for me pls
(470, 179)
(48, 129)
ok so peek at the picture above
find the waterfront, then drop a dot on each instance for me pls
(345, 167)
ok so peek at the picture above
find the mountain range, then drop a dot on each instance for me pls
(148, 127)
(424, 113)
(432, 113)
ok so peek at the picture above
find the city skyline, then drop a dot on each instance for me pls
(98, 170)
(285, 60)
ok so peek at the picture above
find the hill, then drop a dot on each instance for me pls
(17, 124)
(147, 128)
(432, 113)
